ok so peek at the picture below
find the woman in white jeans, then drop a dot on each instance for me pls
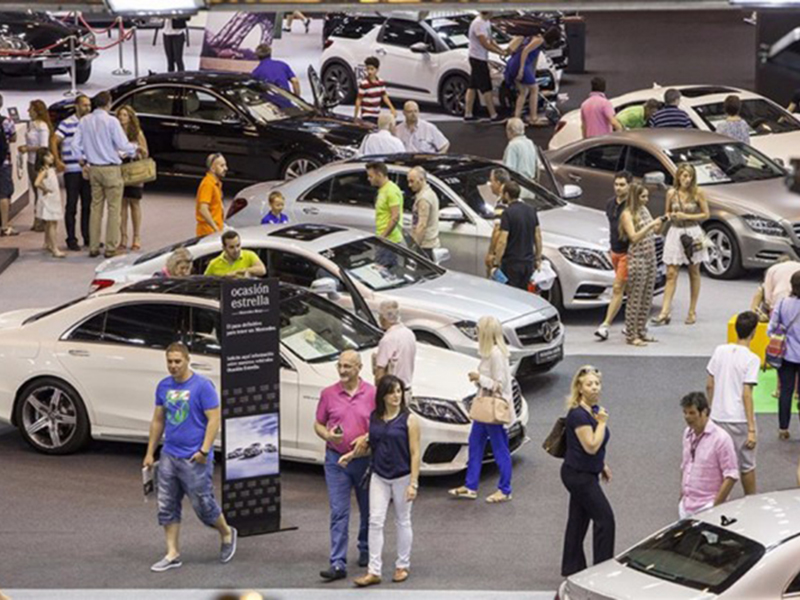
(394, 443)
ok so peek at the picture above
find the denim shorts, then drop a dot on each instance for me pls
(178, 477)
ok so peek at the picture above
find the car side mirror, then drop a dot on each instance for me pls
(420, 48)
(326, 286)
(452, 214)
(234, 121)
(441, 255)
(780, 162)
(655, 178)
(572, 192)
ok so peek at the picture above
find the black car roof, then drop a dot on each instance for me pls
(306, 232)
(208, 79)
(199, 286)
(436, 164)
(706, 90)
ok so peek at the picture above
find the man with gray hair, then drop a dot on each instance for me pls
(520, 154)
(425, 221)
(670, 115)
(382, 141)
(418, 135)
(397, 348)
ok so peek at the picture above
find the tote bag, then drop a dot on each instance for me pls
(776, 348)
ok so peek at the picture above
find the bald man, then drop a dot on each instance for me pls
(382, 141)
(420, 136)
(342, 421)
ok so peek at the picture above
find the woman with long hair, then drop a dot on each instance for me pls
(638, 227)
(132, 194)
(37, 137)
(493, 378)
(394, 444)
(686, 207)
(584, 463)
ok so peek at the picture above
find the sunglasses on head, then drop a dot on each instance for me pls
(587, 370)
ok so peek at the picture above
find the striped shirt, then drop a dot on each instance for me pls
(671, 116)
(371, 93)
(66, 133)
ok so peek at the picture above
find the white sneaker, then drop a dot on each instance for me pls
(602, 333)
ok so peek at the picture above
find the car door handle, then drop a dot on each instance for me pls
(380, 52)
(311, 211)
(200, 366)
(172, 124)
(191, 127)
(81, 353)
(574, 177)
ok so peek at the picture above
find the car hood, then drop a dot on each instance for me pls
(468, 297)
(613, 581)
(340, 131)
(769, 198)
(778, 145)
(573, 225)
(38, 33)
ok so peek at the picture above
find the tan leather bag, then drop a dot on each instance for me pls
(139, 171)
(491, 410)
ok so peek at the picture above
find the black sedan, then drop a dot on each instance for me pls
(24, 33)
(264, 131)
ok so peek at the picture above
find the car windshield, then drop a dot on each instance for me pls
(265, 102)
(726, 163)
(454, 31)
(473, 186)
(171, 248)
(695, 554)
(762, 117)
(318, 331)
(380, 265)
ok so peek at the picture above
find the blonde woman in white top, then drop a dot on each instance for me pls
(492, 377)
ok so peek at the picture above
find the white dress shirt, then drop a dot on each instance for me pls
(424, 138)
(382, 142)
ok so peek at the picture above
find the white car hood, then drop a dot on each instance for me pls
(573, 225)
(611, 580)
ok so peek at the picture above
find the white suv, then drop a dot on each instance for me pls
(421, 59)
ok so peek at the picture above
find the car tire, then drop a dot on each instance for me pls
(51, 416)
(299, 164)
(724, 257)
(339, 81)
(452, 94)
(82, 73)
(424, 337)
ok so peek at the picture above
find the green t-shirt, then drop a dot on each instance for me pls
(389, 195)
(632, 117)
(220, 265)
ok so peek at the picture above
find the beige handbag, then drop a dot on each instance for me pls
(492, 410)
(139, 171)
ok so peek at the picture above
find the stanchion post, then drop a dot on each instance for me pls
(121, 70)
(135, 52)
(73, 89)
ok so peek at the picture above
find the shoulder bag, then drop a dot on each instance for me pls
(139, 171)
(555, 444)
(776, 348)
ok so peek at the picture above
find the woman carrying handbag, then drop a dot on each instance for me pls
(493, 379)
(785, 321)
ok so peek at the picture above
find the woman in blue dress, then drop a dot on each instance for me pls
(521, 71)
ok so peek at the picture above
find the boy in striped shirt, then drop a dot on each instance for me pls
(371, 92)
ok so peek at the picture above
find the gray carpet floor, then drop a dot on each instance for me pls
(83, 519)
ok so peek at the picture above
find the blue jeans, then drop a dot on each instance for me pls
(498, 437)
(340, 482)
(178, 477)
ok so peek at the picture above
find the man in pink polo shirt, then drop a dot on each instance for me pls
(342, 421)
(597, 113)
(710, 467)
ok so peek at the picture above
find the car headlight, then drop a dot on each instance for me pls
(587, 257)
(11, 43)
(88, 38)
(437, 409)
(764, 226)
(343, 152)
(468, 328)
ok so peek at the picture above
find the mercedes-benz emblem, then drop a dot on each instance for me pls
(549, 331)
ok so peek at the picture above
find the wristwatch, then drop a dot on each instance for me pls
(202, 452)
(414, 485)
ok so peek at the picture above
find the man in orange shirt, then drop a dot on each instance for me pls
(208, 211)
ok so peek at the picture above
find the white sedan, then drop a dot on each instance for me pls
(773, 130)
(89, 369)
(746, 549)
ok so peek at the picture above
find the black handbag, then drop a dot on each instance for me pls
(556, 442)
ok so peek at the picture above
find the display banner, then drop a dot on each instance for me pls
(250, 381)
(231, 38)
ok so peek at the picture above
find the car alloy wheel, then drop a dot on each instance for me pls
(723, 255)
(454, 91)
(300, 165)
(338, 83)
(49, 417)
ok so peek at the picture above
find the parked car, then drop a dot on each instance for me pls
(263, 130)
(441, 307)
(575, 238)
(741, 549)
(423, 57)
(238, 453)
(87, 369)
(773, 130)
(22, 33)
(754, 217)
(270, 448)
(252, 451)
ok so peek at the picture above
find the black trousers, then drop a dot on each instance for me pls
(518, 273)
(173, 46)
(587, 502)
(77, 189)
(787, 374)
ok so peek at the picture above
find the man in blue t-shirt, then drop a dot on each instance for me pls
(274, 71)
(188, 415)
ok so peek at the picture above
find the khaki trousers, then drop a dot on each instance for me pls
(107, 186)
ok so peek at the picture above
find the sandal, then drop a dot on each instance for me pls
(637, 342)
(498, 497)
(137, 245)
(463, 492)
(691, 319)
(661, 320)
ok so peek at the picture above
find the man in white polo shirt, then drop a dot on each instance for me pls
(420, 136)
(397, 348)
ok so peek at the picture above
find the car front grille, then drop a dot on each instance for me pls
(534, 333)
(659, 240)
(796, 230)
